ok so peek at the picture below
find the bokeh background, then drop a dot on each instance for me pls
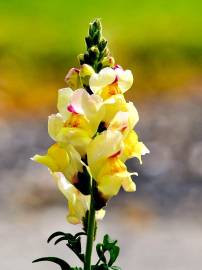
(159, 226)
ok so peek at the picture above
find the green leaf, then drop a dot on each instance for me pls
(100, 252)
(103, 267)
(63, 265)
(73, 242)
(60, 239)
(114, 253)
(55, 234)
(116, 268)
(108, 243)
(79, 234)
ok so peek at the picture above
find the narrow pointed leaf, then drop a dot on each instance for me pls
(60, 239)
(55, 234)
(79, 234)
(63, 265)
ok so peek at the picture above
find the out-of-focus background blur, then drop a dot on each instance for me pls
(159, 226)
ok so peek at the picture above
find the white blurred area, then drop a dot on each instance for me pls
(158, 227)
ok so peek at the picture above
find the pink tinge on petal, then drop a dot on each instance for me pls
(71, 109)
(116, 80)
(70, 72)
(115, 154)
(77, 70)
(117, 66)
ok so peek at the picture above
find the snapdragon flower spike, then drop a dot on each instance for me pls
(93, 131)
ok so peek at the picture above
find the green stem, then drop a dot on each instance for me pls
(90, 235)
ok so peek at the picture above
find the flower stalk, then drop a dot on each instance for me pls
(90, 234)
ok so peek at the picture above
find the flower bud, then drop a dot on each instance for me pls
(85, 73)
(72, 78)
(93, 52)
(108, 62)
(81, 58)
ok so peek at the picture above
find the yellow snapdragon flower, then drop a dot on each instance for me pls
(64, 159)
(111, 81)
(106, 156)
(78, 203)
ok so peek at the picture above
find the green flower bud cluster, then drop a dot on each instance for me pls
(97, 54)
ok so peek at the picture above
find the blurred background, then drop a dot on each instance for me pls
(159, 226)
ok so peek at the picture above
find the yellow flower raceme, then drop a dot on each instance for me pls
(96, 129)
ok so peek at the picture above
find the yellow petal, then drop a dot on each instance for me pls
(56, 159)
(112, 106)
(55, 124)
(103, 146)
(77, 137)
(75, 164)
(120, 122)
(133, 148)
(87, 106)
(47, 161)
(112, 176)
(78, 203)
(133, 115)
(128, 184)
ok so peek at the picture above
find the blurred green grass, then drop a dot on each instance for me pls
(39, 40)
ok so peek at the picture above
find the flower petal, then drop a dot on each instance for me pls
(133, 148)
(125, 79)
(55, 124)
(77, 137)
(99, 80)
(78, 203)
(119, 122)
(64, 97)
(56, 159)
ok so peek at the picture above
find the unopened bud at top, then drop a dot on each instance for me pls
(85, 73)
(108, 62)
(72, 78)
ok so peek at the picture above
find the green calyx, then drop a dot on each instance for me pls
(97, 54)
